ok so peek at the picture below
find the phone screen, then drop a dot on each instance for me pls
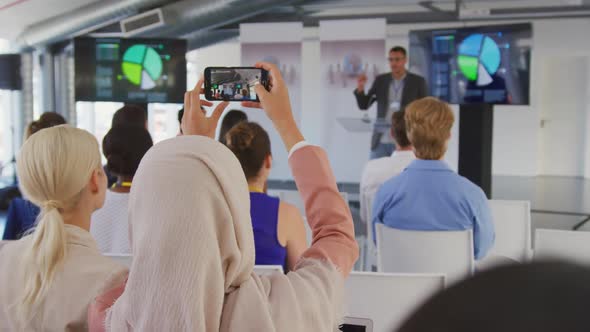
(233, 83)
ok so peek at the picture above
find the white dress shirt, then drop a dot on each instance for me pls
(376, 172)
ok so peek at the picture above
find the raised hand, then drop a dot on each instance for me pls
(277, 106)
(195, 120)
(361, 81)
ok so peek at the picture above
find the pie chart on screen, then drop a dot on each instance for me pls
(479, 59)
(142, 66)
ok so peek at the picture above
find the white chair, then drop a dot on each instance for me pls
(265, 270)
(124, 259)
(558, 244)
(387, 299)
(512, 224)
(446, 252)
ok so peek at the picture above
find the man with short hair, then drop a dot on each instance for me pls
(377, 171)
(393, 92)
(428, 195)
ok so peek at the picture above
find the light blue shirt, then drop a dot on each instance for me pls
(429, 196)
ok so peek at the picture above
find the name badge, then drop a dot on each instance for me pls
(395, 106)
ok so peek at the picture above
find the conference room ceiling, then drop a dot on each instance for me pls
(16, 15)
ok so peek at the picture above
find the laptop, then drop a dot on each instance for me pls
(356, 324)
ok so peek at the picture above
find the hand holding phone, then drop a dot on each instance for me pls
(194, 119)
(277, 106)
(234, 83)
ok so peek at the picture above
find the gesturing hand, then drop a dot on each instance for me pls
(194, 120)
(361, 81)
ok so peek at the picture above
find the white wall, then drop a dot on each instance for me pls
(517, 133)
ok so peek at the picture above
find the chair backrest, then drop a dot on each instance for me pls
(263, 270)
(387, 299)
(559, 244)
(124, 259)
(512, 223)
(405, 251)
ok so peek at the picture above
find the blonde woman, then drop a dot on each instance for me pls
(50, 276)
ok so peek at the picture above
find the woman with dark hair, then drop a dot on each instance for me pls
(21, 212)
(130, 115)
(279, 232)
(540, 297)
(232, 118)
(124, 147)
(46, 120)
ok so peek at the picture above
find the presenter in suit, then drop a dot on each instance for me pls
(393, 92)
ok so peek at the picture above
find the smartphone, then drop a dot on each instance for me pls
(354, 324)
(233, 83)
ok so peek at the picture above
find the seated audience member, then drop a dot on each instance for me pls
(232, 118)
(377, 171)
(279, 233)
(246, 94)
(46, 120)
(540, 297)
(195, 258)
(124, 147)
(50, 276)
(238, 95)
(130, 115)
(22, 213)
(428, 195)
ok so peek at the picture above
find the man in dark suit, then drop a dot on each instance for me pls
(393, 92)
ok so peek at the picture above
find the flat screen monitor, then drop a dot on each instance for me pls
(130, 70)
(487, 64)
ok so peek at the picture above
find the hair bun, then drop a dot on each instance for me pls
(240, 138)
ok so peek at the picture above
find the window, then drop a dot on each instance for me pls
(96, 118)
(163, 121)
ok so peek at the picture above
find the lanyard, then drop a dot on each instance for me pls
(123, 184)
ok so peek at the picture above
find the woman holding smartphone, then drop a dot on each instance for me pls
(192, 237)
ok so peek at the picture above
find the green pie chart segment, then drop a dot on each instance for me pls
(133, 72)
(142, 66)
(469, 66)
(153, 63)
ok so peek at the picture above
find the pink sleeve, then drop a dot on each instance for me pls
(327, 213)
(98, 308)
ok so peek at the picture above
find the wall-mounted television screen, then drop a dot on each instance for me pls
(130, 70)
(487, 64)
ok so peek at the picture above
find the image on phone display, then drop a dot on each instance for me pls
(233, 84)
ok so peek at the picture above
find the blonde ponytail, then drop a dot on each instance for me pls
(54, 167)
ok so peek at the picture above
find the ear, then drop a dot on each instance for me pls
(268, 162)
(94, 183)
